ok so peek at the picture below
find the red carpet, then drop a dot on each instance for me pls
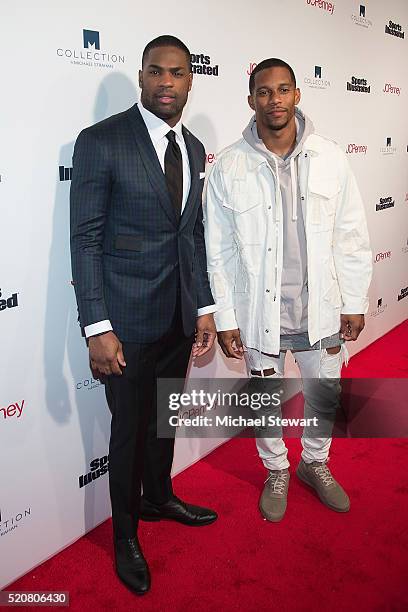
(313, 559)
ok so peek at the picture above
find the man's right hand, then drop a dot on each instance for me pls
(106, 354)
(230, 342)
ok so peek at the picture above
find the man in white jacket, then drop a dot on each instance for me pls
(289, 264)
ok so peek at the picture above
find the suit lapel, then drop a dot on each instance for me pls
(194, 178)
(151, 162)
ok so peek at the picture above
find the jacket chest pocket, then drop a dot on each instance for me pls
(321, 204)
(247, 212)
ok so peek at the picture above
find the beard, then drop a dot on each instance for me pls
(163, 111)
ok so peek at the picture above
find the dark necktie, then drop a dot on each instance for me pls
(173, 169)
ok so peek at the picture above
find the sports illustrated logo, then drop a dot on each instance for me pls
(252, 65)
(9, 523)
(403, 294)
(360, 19)
(98, 467)
(381, 307)
(91, 54)
(385, 203)
(388, 149)
(12, 410)
(355, 148)
(358, 84)
(317, 82)
(392, 89)
(200, 64)
(88, 384)
(394, 29)
(65, 174)
(10, 302)
(382, 256)
(321, 4)
(210, 158)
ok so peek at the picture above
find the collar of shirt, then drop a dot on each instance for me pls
(158, 128)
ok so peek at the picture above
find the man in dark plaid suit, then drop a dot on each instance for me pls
(140, 277)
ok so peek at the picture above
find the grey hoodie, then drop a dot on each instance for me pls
(294, 296)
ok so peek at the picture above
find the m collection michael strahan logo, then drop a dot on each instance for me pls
(388, 149)
(361, 19)
(10, 522)
(381, 307)
(91, 54)
(318, 81)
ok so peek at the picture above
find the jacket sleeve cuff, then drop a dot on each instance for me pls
(206, 310)
(355, 306)
(225, 320)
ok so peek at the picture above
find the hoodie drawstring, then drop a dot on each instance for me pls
(294, 180)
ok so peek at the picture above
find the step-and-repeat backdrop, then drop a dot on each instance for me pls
(66, 66)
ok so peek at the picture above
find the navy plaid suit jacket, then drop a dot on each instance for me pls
(129, 252)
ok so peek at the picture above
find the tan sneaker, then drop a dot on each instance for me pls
(273, 500)
(318, 476)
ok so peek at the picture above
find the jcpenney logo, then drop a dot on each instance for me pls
(392, 89)
(356, 148)
(382, 256)
(12, 410)
(321, 4)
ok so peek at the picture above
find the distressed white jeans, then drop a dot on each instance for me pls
(313, 364)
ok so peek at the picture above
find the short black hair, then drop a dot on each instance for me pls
(167, 41)
(272, 62)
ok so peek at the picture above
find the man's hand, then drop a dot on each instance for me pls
(106, 354)
(230, 342)
(205, 335)
(351, 326)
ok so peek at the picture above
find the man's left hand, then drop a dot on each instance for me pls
(205, 335)
(351, 326)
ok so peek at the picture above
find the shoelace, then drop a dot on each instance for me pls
(278, 481)
(324, 474)
(134, 549)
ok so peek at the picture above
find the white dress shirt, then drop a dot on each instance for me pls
(158, 129)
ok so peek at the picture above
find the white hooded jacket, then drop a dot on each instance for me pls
(243, 230)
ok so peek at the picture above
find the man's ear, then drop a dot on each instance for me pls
(251, 101)
(190, 81)
(140, 79)
(297, 96)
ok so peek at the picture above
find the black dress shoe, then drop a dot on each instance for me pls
(177, 510)
(131, 566)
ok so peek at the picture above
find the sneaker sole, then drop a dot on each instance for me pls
(324, 502)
